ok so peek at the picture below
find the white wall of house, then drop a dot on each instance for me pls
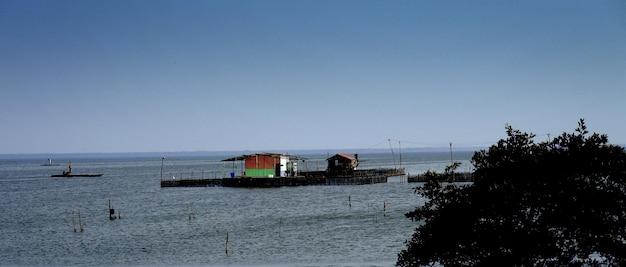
(283, 166)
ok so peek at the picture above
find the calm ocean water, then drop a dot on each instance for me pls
(304, 226)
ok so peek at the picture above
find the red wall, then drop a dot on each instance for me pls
(264, 162)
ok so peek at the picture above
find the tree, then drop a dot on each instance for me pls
(558, 202)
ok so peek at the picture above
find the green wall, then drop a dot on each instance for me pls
(260, 172)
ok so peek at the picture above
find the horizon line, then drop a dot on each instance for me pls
(442, 148)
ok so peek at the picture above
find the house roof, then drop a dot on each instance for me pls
(243, 157)
(343, 155)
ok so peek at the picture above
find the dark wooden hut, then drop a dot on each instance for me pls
(342, 163)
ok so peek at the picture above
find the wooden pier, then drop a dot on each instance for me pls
(456, 177)
(358, 177)
(192, 182)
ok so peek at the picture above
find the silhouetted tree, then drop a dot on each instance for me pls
(559, 202)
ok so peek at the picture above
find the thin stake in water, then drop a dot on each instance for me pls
(226, 244)
(192, 214)
(384, 209)
(350, 201)
(112, 215)
(76, 221)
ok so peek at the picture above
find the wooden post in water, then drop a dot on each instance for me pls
(112, 212)
(79, 222)
(192, 214)
(350, 201)
(74, 221)
(226, 244)
(384, 208)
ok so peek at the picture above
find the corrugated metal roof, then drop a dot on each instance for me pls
(343, 155)
(243, 157)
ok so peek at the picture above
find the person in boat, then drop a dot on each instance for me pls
(69, 169)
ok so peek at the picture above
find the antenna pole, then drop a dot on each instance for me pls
(400, 153)
(451, 153)
(393, 157)
(162, 159)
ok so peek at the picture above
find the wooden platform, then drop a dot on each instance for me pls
(191, 182)
(271, 182)
(361, 177)
(457, 177)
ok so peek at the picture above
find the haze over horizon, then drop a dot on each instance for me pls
(152, 76)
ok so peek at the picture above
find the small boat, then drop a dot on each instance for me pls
(50, 163)
(69, 173)
(77, 175)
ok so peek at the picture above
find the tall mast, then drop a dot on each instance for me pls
(393, 157)
(451, 153)
(400, 154)
(162, 159)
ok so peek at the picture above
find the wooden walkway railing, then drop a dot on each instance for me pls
(456, 177)
(358, 177)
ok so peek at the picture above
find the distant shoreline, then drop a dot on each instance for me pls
(227, 153)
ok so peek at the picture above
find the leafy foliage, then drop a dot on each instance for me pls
(559, 202)
(446, 176)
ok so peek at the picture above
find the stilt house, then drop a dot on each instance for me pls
(267, 165)
(342, 163)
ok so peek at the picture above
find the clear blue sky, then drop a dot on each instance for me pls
(117, 76)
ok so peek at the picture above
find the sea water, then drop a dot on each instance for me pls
(302, 226)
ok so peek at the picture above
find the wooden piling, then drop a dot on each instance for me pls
(384, 209)
(111, 212)
(350, 201)
(80, 224)
(226, 244)
(74, 221)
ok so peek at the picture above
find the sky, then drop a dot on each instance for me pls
(146, 76)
